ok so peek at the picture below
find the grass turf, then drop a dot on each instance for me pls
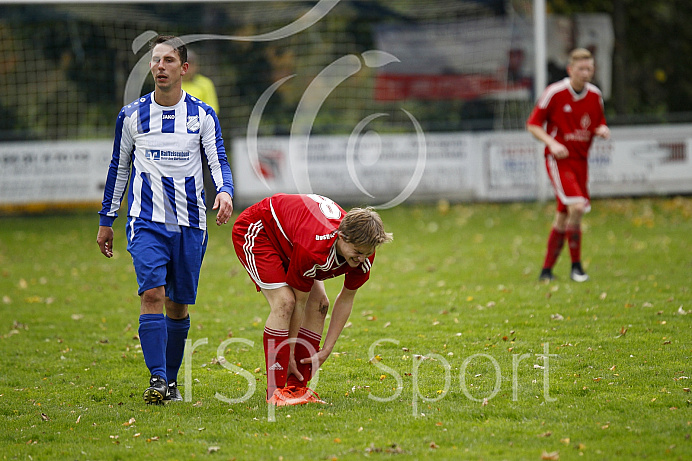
(454, 350)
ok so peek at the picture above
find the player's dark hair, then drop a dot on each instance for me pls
(363, 228)
(173, 41)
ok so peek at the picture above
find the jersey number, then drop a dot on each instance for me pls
(327, 206)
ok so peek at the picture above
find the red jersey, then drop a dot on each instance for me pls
(570, 117)
(303, 229)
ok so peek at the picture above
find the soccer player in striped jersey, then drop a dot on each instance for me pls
(289, 244)
(572, 112)
(160, 141)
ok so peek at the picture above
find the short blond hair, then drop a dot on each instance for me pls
(363, 228)
(579, 54)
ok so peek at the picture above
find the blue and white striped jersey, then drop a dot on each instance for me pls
(159, 150)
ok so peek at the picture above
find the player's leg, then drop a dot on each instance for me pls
(578, 204)
(277, 350)
(177, 326)
(310, 334)
(573, 235)
(188, 248)
(147, 244)
(556, 240)
(153, 338)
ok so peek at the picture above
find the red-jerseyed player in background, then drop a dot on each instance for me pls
(572, 111)
(289, 244)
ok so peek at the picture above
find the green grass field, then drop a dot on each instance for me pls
(454, 350)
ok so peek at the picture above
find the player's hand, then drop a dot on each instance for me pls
(603, 131)
(293, 368)
(558, 150)
(320, 357)
(105, 240)
(224, 204)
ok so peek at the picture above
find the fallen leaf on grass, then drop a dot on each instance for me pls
(45, 417)
(130, 422)
(557, 317)
(545, 434)
(433, 445)
(553, 455)
(213, 449)
(623, 332)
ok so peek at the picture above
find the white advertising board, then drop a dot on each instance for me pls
(53, 172)
(379, 170)
(376, 170)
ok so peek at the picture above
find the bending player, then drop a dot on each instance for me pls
(289, 244)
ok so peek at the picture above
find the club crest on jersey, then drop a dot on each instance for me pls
(585, 122)
(193, 124)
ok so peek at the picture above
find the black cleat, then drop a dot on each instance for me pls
(173, 393)
(546, 275)
(578, 274)
(157, 390)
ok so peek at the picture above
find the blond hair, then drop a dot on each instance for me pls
(578, 54)
(363, 228)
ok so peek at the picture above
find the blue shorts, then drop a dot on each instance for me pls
(167, 255)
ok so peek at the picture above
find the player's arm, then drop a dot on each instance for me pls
(343, 305)
(558, 150)
(116, 182)
(218, 167)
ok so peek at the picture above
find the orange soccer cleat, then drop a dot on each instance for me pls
(284, 396)
(307, 395)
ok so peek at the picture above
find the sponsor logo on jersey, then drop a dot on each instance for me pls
(157, 154)
(579, 136)
(567, 108)
(168, 116)
(326, 236)
(193, 123)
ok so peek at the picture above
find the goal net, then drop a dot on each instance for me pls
(68, 68)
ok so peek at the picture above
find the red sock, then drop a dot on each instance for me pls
(555, 242)
(573, 235)
(302, 351)
(275, 359)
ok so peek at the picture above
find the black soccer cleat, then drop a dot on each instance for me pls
(174, 394)
(578, 274)
(157, 390)
(546, 275)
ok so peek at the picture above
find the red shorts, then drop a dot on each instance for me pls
(257, 253)
(570, 182)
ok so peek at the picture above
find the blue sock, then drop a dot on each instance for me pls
(177, 334)
(153, 336)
